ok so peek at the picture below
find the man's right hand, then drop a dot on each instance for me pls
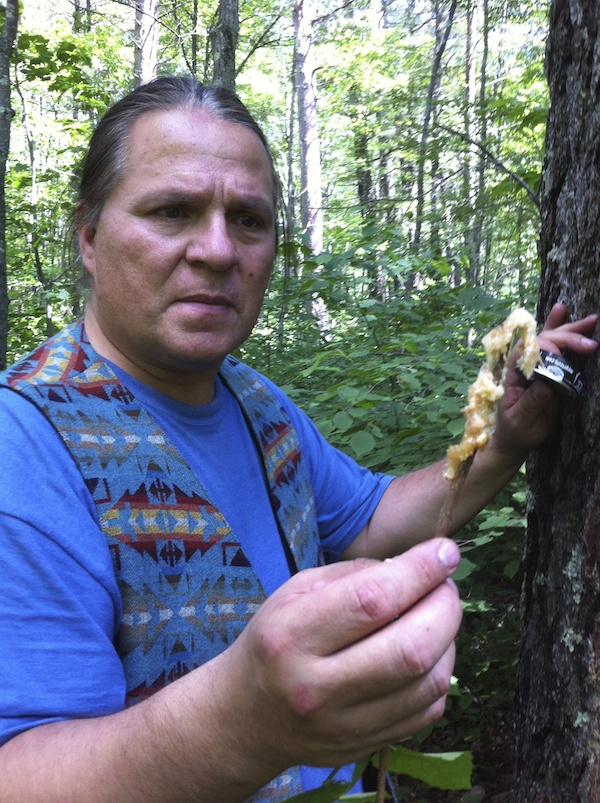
(340, 661)
(345, 659)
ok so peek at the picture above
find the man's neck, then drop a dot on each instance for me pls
(190, 387)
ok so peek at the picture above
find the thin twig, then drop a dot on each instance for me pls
(443, 528)
(456, 484)
(494, 159)
(381, 776)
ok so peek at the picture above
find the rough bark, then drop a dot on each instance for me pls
(223, 40)
(558, 694)
(7, 40)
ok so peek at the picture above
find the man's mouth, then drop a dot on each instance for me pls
(208, 299)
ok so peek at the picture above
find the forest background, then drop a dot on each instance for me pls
(409, 139)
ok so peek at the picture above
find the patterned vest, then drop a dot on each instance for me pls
(187, 588)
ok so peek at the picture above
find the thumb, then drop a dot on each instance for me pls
(539, 407)
(540, 393)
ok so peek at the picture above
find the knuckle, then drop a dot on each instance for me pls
(440, 684)
(293, 680)
(457, 610)
(362, 563)
(453, 608)
(436, 710)
(274, 645)
(416, 656)
(305, 700)
(428, 570)
(371, 602)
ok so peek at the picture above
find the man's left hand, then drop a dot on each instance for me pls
(527, 412)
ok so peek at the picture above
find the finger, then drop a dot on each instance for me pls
(406, 713)
(539, 398)
(375, 723)
(360, 602)
(558, 336)
(556, 316)
(312, 580)
(569, 335)
(402, 652)
(563, 339)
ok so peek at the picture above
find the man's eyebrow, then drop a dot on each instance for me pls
(250, 202)
(172, 197)
(255, 203)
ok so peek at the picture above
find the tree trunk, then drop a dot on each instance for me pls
(310, 146)
(482, 116)
(223, 40)
(364, 183)
(442, 36)
(7, 40)
(146, 41)
(558, 686)
(311, 203)
(468, 112)
(82, 16)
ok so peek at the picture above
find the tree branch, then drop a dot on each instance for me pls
(500, 165)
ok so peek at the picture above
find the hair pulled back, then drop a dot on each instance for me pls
(106, 158)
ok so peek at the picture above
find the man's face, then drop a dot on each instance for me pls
(183, 249)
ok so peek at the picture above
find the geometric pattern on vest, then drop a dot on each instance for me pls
(289, 486)
(187, 587)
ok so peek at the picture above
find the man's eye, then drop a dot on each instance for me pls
(169, 213)
(249, 221)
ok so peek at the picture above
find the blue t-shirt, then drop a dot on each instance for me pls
(60, 607)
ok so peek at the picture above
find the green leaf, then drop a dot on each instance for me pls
(343, 420)
(329, 793)
(512, 568)
(362, 442)
(324, 355)
(476, 606)
(349, 393)
(441, 770)
(457, 426)
(465, 568)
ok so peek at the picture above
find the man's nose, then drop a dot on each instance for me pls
(210, 243)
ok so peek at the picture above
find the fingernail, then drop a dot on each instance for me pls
(453, 585)
(449, 554)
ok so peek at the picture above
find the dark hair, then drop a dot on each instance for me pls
(105, 161)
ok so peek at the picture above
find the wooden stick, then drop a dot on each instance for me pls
(456, 484)
(443, 528)
(381, 776)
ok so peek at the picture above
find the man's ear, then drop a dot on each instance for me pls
(87, 247)
(86, 234)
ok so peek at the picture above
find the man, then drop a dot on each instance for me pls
(153, 647)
